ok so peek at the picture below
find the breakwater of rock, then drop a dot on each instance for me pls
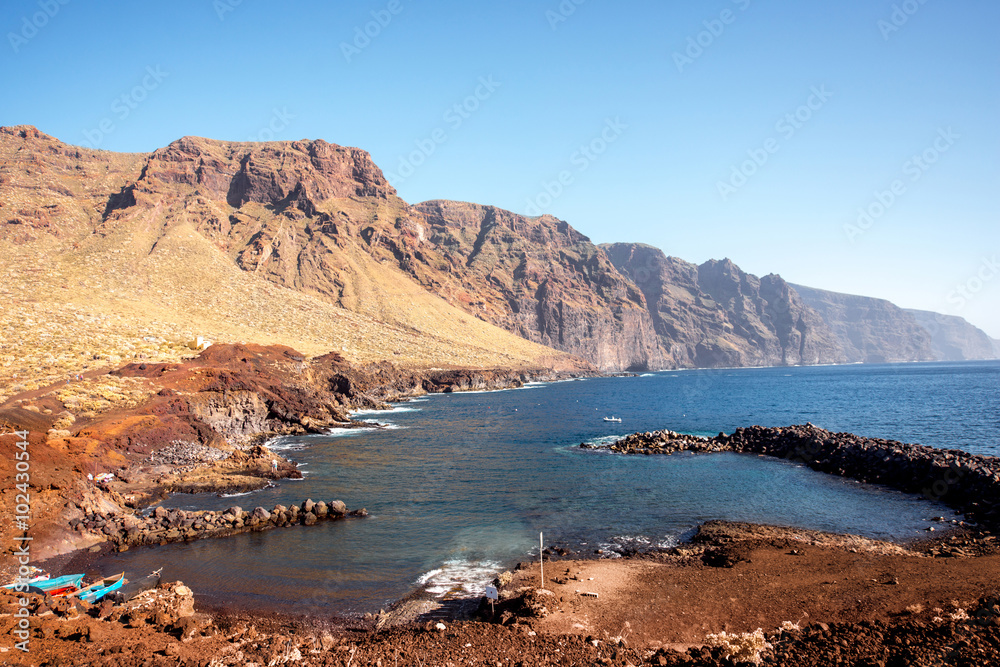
(163, 525)
(966, 482)
(660, 442)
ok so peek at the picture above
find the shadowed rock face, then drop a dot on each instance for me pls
(870, 330)
(718, 315)
(953, 338)
(545, 281)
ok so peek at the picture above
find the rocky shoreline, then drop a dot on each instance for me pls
(203, 428)
(969, 483)
(820, 598)
(110, 444)
(163, 526)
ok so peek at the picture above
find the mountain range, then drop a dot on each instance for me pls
(115, 256)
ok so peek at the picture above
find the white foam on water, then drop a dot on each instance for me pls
(648, 375)
(282, 443)
(340, 432)
(468, 577)
(388, 426)
(526, 385)
(603, 440)
(393, 410)
(289, 446)
(236, 495)
(489, 391)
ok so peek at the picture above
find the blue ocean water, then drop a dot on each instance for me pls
(460, 485)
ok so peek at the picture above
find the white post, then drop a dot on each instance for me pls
(541, 560)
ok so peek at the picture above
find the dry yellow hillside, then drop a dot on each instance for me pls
(62, 311)
(110, 257)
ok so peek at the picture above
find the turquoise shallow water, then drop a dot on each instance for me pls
(459, 485)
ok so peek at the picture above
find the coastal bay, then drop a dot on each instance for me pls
(459, 486)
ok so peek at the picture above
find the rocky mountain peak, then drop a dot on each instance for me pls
(25, 132)
(268, 173)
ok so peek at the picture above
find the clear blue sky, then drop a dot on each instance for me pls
(677, 117)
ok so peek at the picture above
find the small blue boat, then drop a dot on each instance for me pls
(54, 586)
(99, 589)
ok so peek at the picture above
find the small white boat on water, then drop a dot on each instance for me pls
(617, 420)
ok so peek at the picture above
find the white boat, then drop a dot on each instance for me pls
(617, 420)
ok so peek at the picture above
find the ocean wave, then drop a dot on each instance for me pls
(243, 493)
(603, 440)
(388, 426)
(339, 432)
(394, 409)
(495, 391)
(468, 578)
(289, 446)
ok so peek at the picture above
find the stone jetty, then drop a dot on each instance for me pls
(660, 442)
(969, 483)
(164, 525)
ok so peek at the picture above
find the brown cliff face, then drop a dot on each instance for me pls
(321, 219)
(276, 174)
(121, 256)
(870, 330)
(54, 190)
(717, 315)
(305, 243)
(543, 280)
